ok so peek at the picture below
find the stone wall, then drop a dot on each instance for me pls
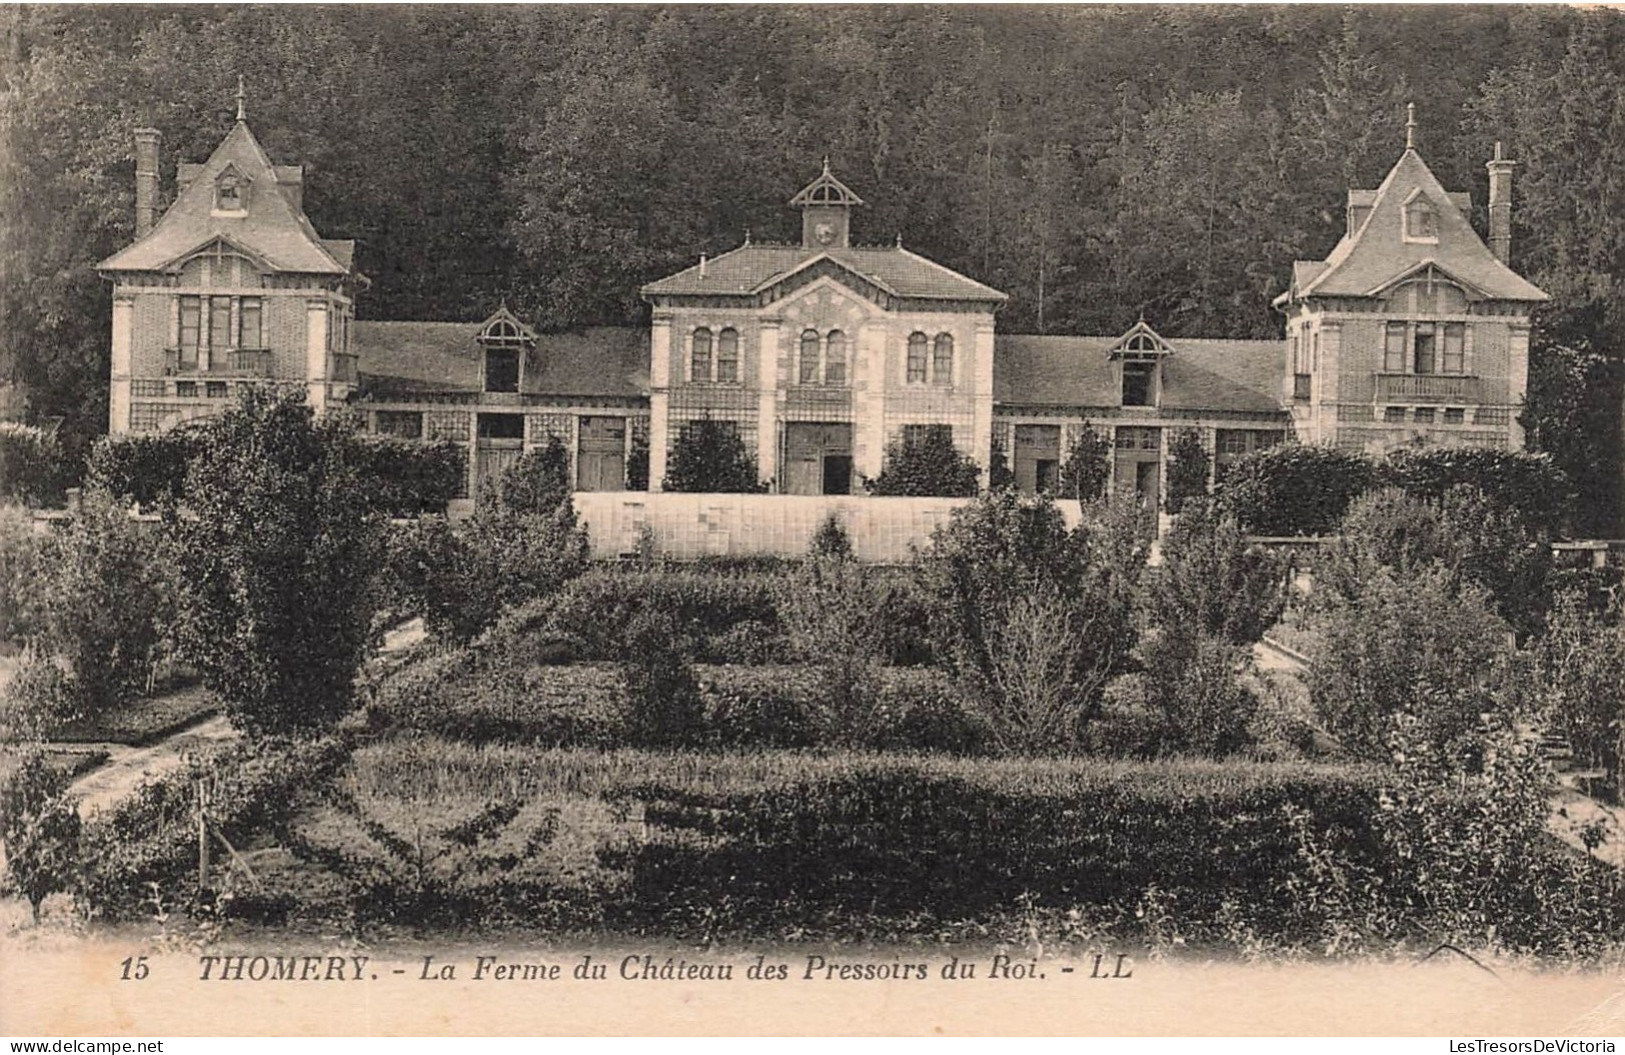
(687, 526)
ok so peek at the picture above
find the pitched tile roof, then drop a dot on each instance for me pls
(406, 359)
(272, 229)
(1375, 255)
(751, 269)
(1200, 374)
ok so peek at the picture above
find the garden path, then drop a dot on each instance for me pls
(127, 768)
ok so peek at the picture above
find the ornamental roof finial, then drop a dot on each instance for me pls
(241, 96)
(826, 164)
(1410, 126)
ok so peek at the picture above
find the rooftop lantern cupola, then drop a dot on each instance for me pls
(826, 212)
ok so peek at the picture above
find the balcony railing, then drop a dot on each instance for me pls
(1428, 388)
(1300, 387)
(236, 362)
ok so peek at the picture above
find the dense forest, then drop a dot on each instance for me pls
(1096, 163)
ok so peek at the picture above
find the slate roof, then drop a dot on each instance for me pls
(273, 229)
(1200, 374)
(1365, 262)
(407, 359)
(753, 268)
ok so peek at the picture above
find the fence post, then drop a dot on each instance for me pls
(202, 835)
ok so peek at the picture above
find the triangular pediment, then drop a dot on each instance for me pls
(1140, 342)
(823, 266)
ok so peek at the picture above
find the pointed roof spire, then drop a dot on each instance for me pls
(826, 164)
(747, 236)
(899, 239)
(1410, 126)
(241, 96)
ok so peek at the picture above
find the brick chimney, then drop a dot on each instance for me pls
(148, 141)
(1501, 205)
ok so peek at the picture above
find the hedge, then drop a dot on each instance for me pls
(407, 477)
(31, 469)
(1294, 489)
(145, 467)
(1528, 482)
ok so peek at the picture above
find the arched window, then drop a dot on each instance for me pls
(835, 359)
(728, 355)
(942, 359)
(699, 358)
(916, 356)
(809, 357)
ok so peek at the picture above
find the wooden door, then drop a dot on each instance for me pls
(601, 455)
(817, 458)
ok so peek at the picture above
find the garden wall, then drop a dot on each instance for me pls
(688, 526)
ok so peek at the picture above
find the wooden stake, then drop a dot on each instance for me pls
(202, 835)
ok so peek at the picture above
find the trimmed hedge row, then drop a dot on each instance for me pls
(31, 469)
(1305, 490)
(485, 698)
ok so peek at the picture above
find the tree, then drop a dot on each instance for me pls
(1032, 619)
(1088, 465)
(1212, 581)
(1579, 668)
(40, 826)
(109, 601)
(1189, 468)
(924, 463)
(710, 458)
(279, 561)
(832, 616)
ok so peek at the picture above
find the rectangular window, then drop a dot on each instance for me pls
(502, 370)
(919, 434)
(1393, 415)
(219, 323)
(1137, 438)
(1455, 415)
(250, 323)
(186, 389)
(215, 389)
(1393, 348)
(501, 426)
(191, 329)
(1424, 415)
(1137, 384)
(1426, 360)
(1455, 346)
(405, 424)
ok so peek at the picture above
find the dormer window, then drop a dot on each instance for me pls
(230, 193)
(1140, 353)
(504, 340)
(1421, 219)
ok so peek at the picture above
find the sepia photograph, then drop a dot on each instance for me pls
(810, 519)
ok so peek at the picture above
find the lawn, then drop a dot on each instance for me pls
(143, 721)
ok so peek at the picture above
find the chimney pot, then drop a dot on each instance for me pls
(148, 143)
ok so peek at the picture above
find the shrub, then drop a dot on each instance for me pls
(710, 457)
(1189, 468)
(1527, 483)
(23, 566)
(828, 610)
(39, 825)
(1191, 683)
(1294, 489)
(663, 699)
(1212, 581)
(1006, 562)
(1419, 644)
(830, 540)
(407, 478)
(39, 699)
(924, 462)
(1088, 465)
(280, 565)
(536, 484)
(1477, 540)
(146, 468)
(637, 462)
(31, 469)
(720, 617)
(108, 601)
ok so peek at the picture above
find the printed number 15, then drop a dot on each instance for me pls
(134, 967)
